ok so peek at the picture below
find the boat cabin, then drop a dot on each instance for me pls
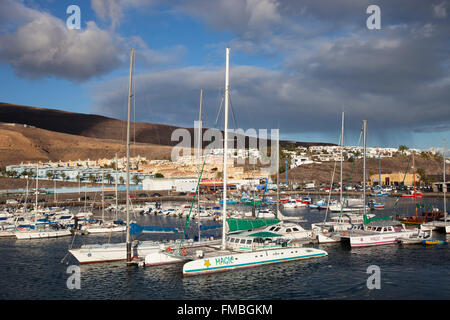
(248, 241)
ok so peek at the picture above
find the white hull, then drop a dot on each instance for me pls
(28, 235)
(248, 260)
(160, 258)
(111, 252)
(322, 238)
(106, 229)
(378, 239)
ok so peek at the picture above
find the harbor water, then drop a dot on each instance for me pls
(39, 270)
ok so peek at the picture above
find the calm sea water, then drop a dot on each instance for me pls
(32, 270)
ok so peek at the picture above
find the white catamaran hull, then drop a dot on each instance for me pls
(248, 260)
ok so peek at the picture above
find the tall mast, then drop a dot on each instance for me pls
(414, 185)
(128, 158)
(116, 178)
(199, 153)
(444, 186)
(225, 146)
(364, 169)
(342, 147)
(278, 169)
(103, 200)
(37, 192)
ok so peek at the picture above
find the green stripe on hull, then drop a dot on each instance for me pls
(253, 263)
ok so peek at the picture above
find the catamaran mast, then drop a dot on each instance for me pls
(364, 170)
(225, 147)
(128, 159)
(414, 185)
(199, 159)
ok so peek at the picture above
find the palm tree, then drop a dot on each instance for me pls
(136, 179)
(109, 177)
(50, 175)
(91, 178)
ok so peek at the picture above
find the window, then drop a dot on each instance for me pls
(295, 229)
(249, 241)
(242, 241)
(277, 229)
(288, 230)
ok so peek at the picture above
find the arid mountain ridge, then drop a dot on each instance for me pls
(40, 134)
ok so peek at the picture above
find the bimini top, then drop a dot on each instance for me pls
(249, 224)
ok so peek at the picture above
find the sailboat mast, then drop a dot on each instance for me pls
(37, 192)
(444, 186)
(414, 185)
(103, 199)
(342, 154)
(225, 147)
(364, 169)
(117, 200)
(278, 174)
(128, 158)
(199, 159)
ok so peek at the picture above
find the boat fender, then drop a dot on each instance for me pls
(325, 232)
(184, 251)
(169, 249)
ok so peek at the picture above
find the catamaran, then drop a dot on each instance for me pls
(260, 249)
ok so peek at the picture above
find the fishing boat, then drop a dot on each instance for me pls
(375, 205)
(291, 204)
(416, 238)
(380, 194)
(412, 194)
(434, 242)
(377, 232)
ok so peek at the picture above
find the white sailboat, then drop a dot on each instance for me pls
(376, 232)
(330, 231)
(39, 230)
(103, 226)
(441, 225)
(228, 257)
(95, 253)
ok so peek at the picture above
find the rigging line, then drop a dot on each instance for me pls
(193, 199)
(232, 112)
(403, 183)
(220, 110)
(349, 180)
(331, 186)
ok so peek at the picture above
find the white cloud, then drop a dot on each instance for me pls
(45, 47)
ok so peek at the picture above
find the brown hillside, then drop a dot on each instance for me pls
(22, 144)
(96, 126)
(322, 173)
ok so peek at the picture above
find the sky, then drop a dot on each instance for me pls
(295, 65)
